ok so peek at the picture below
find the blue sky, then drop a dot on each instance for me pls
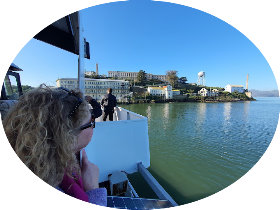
(155, 37)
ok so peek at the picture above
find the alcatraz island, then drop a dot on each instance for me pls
(142, 87)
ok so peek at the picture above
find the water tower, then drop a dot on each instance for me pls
(201, 78)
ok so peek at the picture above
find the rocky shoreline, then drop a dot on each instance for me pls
(197, 100)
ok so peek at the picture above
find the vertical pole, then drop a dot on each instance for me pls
(203, 80)
(81, 68)
(247, 82)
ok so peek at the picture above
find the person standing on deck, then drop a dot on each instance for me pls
(109, 102)
(96, 108)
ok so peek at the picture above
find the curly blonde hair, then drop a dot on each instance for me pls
(43, 135)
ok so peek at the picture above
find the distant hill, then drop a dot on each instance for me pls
(261, 93)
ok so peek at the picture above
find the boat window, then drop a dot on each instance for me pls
(11, 87)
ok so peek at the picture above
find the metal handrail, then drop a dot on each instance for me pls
(156, 187)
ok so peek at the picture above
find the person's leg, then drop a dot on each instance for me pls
(105, 116)
(111, 115)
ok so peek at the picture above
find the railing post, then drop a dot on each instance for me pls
(117, 111)
(127, 116)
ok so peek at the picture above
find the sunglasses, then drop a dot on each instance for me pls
(79, 100)
(91, 124)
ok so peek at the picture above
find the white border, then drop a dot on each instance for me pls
(259, 21)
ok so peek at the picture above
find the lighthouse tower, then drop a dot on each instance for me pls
(96, 69)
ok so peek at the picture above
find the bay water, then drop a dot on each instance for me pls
(198, 149)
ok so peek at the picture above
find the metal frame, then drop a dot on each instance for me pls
(67, 33)
(156, 187)
(3, 91)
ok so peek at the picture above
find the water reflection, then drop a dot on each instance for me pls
(166, 111)
(227, 111)
(201, 113)
(166, 115)
(227, 117)
(149, 113)
(246, 110)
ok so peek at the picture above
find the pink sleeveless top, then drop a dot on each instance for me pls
(74, 187)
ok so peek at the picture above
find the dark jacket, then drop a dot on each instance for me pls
(109, 101)
(96, 108)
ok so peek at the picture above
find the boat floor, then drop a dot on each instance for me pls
(136, 203)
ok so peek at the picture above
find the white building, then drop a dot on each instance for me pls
(214, 92)
(90, 73)
(234, 88)
(205, 92)
(97, 88)
(158, 77)
(165, 91)
(133, 75)
(176, 92)
(123, 75)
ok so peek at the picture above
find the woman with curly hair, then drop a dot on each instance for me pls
(46, 129)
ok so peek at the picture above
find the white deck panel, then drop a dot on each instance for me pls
(120, 145)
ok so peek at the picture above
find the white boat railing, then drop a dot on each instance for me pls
(124, 114)
(121, 114)
(119, 145)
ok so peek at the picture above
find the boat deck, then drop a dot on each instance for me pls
(136, 203)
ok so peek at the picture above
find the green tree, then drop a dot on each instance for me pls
(25, 88)
(172, 77)
(141, 77)
(190, 91)
(183, 80)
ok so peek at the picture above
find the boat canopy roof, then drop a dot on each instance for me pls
(64, 33)
(14, 67)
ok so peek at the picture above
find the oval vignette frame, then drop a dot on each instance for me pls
(196, 204)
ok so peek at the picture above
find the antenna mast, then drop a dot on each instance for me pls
(247, 82)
